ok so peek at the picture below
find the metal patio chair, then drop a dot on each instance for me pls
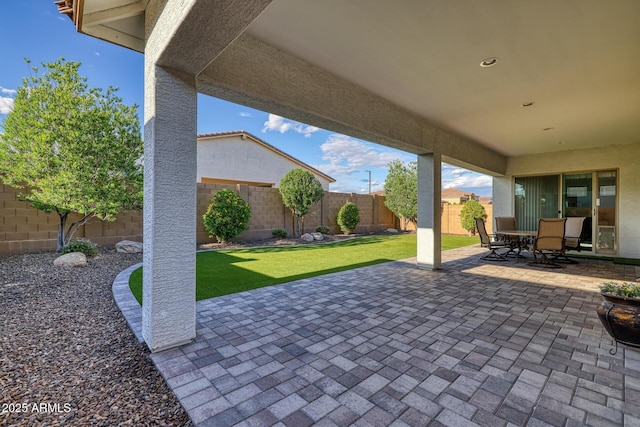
(490, 242)
(549, 241)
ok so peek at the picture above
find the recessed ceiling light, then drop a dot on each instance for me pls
(489, 62)
(528, 104)
(561, 142)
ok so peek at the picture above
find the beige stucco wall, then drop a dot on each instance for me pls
(242, 159)
(623, 158)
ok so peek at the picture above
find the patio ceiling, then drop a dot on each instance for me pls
(577, 61)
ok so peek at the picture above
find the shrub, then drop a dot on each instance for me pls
(322, 229)
(227, 215)
(348, 217)
(280, 232)
(471, 210)
(87, 247)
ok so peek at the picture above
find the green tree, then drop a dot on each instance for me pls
(471, 210)
(300, 190)
(348, 217)
(401, 191)
(227, 215)
(72, 148)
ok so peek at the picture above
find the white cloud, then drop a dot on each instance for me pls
(348, 155)
(467, 180)
(282, 125)
(6, 91)
(245, 114)
(347, 159)
(6, 105)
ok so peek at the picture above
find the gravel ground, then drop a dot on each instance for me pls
(67, 356)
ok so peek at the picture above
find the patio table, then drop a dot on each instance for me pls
(521, 239)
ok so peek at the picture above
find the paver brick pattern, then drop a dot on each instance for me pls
(474, 343)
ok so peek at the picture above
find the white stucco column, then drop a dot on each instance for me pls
(429, 211)
(169, 278)
(503, 195)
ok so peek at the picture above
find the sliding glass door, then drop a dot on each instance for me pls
(536, 197)
(589, 194)
(577, 200)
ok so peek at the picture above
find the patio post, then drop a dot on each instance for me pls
(429, 211)
(169, 307)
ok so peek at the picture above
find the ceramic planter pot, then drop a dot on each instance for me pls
(620, 316)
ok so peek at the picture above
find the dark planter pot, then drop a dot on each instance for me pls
(620, 316)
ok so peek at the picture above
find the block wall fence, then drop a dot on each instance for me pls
(24, 229)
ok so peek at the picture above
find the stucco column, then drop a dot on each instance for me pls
(429, 211)
(169, 277)
(502, 196)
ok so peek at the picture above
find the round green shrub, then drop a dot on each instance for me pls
(85, 246)
(348, 217)
(227, 215)
(323, 229)
(280, 232)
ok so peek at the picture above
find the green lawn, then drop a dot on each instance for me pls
(235, 270)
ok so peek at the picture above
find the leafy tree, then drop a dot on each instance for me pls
(300, 190)
(227, 215)
(71, 148)
(471, 210)
(401, 191)
(348, 217)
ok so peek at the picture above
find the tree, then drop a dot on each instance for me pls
(227, 215)
(300, 190)
(401, 191)
(71, 148)
(471, 210)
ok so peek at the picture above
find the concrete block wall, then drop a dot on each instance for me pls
(24, 229)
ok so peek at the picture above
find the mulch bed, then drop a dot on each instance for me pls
(67, 355)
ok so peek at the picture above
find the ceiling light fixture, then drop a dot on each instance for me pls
(561, 142)
(489, 62)
(528, 104)
(551, 128)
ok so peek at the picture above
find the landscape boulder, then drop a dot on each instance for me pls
(72, 259)
(317, 236)
(391, 230)
(307, 237)
(128, 247)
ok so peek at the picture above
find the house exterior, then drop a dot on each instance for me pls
(454, 196)
(238, 157)
(543, 97)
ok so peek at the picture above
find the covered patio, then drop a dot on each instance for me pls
(474, 343)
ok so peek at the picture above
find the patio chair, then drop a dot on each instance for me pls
(572, 232)
(489, 241)
(549, 241)
(507, 223)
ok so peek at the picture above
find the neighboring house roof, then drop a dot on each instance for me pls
(453, 195)
(246, 135)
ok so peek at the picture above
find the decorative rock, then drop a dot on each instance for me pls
(307, 237)
(72, 259)
(128, 247)
(317, 236)
(391, 230)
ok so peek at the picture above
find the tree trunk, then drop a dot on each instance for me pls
(298, 226)
(63, 222)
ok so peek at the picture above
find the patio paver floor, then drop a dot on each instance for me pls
(475, 343)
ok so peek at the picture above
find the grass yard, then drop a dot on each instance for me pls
(226, 272)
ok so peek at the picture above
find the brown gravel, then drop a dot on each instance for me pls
(67, 356)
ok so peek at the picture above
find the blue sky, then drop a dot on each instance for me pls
(33, 29)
